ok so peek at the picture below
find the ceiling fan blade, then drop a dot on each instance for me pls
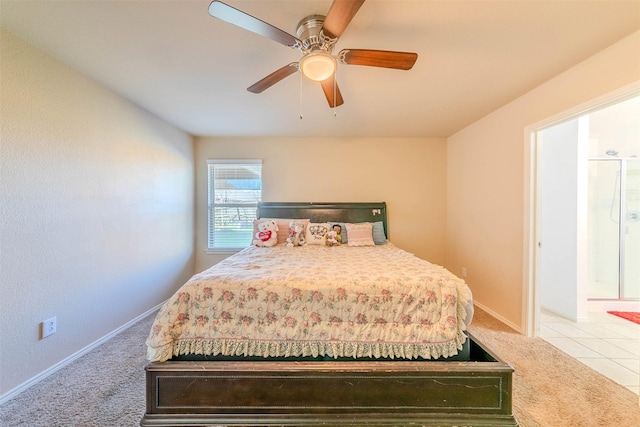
(330, 90)
(273, 78)
(340, 14)
(378, 58)
(229, 14)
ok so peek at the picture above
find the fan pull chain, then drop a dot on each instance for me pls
(300, 99)
(335, 91)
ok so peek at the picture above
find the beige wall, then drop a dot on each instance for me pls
(487, 178)
(408, 174)
(96, 219)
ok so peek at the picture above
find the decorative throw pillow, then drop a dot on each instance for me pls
(379, 238)
(317, 233)
(360, 234)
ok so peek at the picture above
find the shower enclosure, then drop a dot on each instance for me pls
(614, 228)
(614, 203)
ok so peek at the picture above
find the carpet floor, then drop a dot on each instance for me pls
(106, 387)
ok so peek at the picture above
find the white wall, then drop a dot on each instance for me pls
(562, 193)
(96, 219)
(488, 178)
(408, 174)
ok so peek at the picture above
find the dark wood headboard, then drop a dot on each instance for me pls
(325, 212)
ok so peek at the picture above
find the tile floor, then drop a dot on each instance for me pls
(606, 343)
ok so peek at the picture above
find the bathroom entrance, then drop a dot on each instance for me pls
(589, 211)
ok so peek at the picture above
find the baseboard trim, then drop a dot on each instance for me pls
(44, 374)
(507, 322)
(51, 370)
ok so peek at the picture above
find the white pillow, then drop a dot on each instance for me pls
(317, 233)
(360, 234)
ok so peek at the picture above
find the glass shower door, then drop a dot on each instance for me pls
(630, 281)
(604, 229)
(614, 229)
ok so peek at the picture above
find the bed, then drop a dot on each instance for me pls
(361, 333)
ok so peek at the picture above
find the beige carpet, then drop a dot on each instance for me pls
(553, 389)
(106, 387)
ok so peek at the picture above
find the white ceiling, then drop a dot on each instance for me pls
(175, 60)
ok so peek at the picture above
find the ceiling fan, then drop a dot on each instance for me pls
(316, 37)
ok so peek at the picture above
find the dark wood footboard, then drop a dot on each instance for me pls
(391, 393)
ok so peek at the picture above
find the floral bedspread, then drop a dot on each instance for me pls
(341, 301)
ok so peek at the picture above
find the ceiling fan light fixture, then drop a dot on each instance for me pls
(318, 66)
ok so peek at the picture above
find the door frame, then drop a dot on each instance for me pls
(532, 228)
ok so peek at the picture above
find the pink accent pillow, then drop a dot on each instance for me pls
(360, 234)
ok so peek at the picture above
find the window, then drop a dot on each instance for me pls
(235, 188)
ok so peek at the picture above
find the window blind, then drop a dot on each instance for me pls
(235, 188)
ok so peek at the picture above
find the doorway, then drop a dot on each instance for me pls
(588, 185)
(584, 180)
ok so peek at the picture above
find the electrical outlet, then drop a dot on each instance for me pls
(48, 327)
(464, 271)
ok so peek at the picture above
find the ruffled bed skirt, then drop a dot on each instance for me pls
(314, 349)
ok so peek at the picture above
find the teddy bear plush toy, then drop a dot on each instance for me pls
(332, 238)
(296, 234)
(266, 234)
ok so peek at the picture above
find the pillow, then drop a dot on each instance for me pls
(343, 231)
(317, 233)
(379, 238)
(283, 227)
(360, 234)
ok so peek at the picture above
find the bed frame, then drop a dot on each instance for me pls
(446, 392)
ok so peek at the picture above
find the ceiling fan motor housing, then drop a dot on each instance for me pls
(309, 31)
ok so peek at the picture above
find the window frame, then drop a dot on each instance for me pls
(212, 205)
